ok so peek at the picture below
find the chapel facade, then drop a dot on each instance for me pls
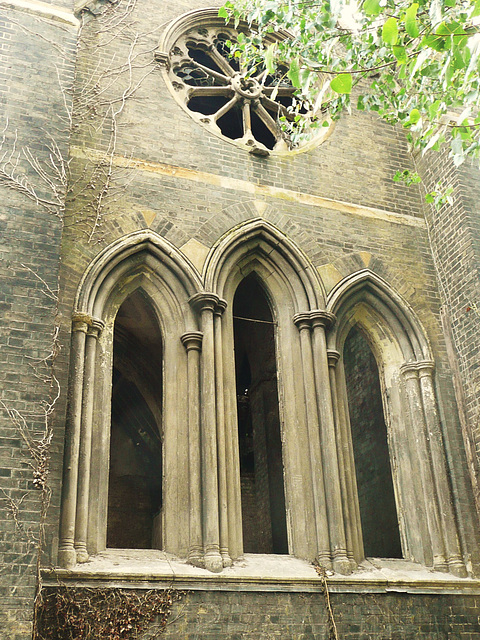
(228, 356)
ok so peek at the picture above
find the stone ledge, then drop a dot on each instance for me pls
(149, 569)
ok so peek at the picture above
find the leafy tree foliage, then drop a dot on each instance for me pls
(414, 63)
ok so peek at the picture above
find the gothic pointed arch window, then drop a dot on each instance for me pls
(135, 469)
(264, 523)
(128, 427)
(245, 410)
(388, 427)
(372, 459)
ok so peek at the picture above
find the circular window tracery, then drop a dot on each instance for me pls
(211, 85)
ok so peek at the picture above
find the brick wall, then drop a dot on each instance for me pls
(302, 616)
(35, 56)
(454, 231)
(185, 183)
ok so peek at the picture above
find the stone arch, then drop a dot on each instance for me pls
(126, 255)
(260, 240)
(141, 262)
(404, 358)
(296, 296)
(399, 320)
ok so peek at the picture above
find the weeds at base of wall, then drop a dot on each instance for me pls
(70, 613)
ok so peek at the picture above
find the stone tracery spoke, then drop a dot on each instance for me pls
(268, 120)
(210, 91)
(247, 119)
(277, 107)
(221, 61)
(282, 92)
(221, 112)
(219, 76)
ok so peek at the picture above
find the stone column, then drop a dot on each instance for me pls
(414, 396)
(338, 545)
(221, 441)
(85, 451)
(206, 303)
(437, 452)
(67, 556)
(192, 342)
(347, 468)
(303, 322)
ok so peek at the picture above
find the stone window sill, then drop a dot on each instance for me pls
(145, 568)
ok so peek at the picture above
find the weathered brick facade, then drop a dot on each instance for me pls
(95, 148)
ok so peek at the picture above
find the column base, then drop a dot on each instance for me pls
(226, 560)
(342, 565)
(324, 562)
(440, 564)
(82, 554)
(457, 568)
(195, 558)
(213, 561)
(67, 557)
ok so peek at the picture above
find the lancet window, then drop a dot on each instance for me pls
(250, 412)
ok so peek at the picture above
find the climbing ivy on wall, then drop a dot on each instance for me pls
(71, 613)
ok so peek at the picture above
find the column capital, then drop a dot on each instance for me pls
(425, 368)
(192, 340)
(95, 327)
(322, 318)
(81, 321)
(333, 357)
(204, 301)
(302, 320)
(221, 306)
(420, 368)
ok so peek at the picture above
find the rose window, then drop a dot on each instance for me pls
(246, 108)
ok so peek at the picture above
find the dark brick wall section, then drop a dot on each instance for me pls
(302, 616)
(455, 240)
(36, 56)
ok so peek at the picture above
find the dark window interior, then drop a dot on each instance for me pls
(378, 510)
(261, 465)
(135, 478)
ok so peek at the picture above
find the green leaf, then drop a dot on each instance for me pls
(411, 26)
(372, 7)
(223, 13)
(476, 10)
(294, 73)
(390, 31)
(435, 42)
(433, 109)
(400, 53)
(414, 116)
(270, 58)
(342, 83)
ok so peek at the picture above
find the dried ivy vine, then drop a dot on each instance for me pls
(332, 627)
(81, 613)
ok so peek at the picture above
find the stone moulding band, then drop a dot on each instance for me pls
(43, 10)
(257, 190)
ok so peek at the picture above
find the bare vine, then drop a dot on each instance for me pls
(332, 627)
(69, 613)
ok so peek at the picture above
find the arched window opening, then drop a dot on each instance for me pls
(135, 478)
(378, 512)
(260, 445)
